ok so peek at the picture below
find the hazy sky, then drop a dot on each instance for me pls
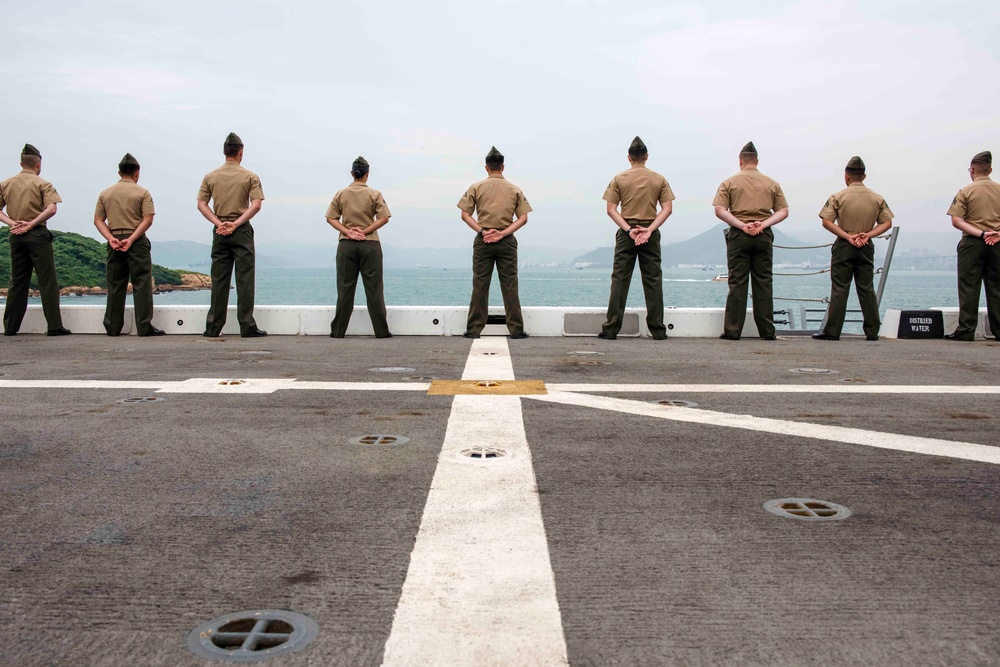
(423, 89)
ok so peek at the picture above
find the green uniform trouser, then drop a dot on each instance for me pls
(750, 259)
(978, 263)
(847, 261)
(135, 266)
(32, 250)
(364, 258)
(626, 252)
(237, 248)
(503, 255)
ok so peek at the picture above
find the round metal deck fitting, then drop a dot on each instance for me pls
(591, 362)
(392, 369)
(813, 371)
(488, 383)
(480, 453)
(420, 378)
(140, 399)
(380, 439)
(252, 636)
(807, 509)
(581, 353)
(232, 383)
(674, 403)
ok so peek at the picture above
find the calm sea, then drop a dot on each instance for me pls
(569, 287)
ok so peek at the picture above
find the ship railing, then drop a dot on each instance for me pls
(807, 316)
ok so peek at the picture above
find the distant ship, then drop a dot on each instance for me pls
(722, 277)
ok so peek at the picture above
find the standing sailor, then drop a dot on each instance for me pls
(30, 202)
(975, 212)
(855, 215)
(357, 212)
(750, 203)
(638, 190)
(501, 210)
(236, 197)
(123, 215)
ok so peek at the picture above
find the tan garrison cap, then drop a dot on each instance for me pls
(30, 150)
(233, 140)
(637, 146)
(985, 157)
(360, 163)
(128, 161)
(856, 163)
(749, 148)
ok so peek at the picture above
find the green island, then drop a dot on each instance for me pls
(80, 263)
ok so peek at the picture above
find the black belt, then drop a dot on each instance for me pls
(229, 218)
(638, 223)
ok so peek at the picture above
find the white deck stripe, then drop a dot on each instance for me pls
(904, 443)
(845, 388)
(492, 368)
(212, 386)
(480, 588)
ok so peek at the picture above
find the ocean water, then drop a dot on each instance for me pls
(570, 287)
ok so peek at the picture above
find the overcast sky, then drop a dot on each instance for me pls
(423, 90)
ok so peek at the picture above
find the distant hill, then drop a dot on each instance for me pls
(80, 262)
(710, 248)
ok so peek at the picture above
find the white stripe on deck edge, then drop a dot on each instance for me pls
(480, 588)
(846, 388)
(855, 436)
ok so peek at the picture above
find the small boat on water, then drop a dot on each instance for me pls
(721, 278)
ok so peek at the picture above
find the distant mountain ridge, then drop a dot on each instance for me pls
(709, 248)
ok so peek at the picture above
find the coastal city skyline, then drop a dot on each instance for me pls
(560, 88)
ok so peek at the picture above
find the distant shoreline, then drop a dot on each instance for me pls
(193, 282)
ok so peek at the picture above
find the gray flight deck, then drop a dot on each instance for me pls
(124, 526)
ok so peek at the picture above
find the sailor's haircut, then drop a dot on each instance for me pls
(30, 161)
(748, 156)
(855, 174)
(231, 150)
(128, 169)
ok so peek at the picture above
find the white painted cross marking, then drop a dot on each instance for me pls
(480, 588)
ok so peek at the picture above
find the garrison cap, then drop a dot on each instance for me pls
(749, 148)
(128, 161)
(494, 155)
(359, 163)
(233, 140)
(637, 147)
(30, 150)
(856, 163)
(985, 157)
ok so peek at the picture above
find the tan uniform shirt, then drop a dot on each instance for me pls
(230, 187)
(856, 209)
(497, 201)
(638, 190)
(750, 196)
(26, 195)
(978, 204)
(124, 205)
(357, 206)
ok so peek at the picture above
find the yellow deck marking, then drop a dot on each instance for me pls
(487, 388)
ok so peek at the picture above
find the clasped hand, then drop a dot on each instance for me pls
(20, 227)
(121, 245)
(225, 228)
(991, 238)
(492, 235)
(640, 235)
(355, 234)
(753, 228)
